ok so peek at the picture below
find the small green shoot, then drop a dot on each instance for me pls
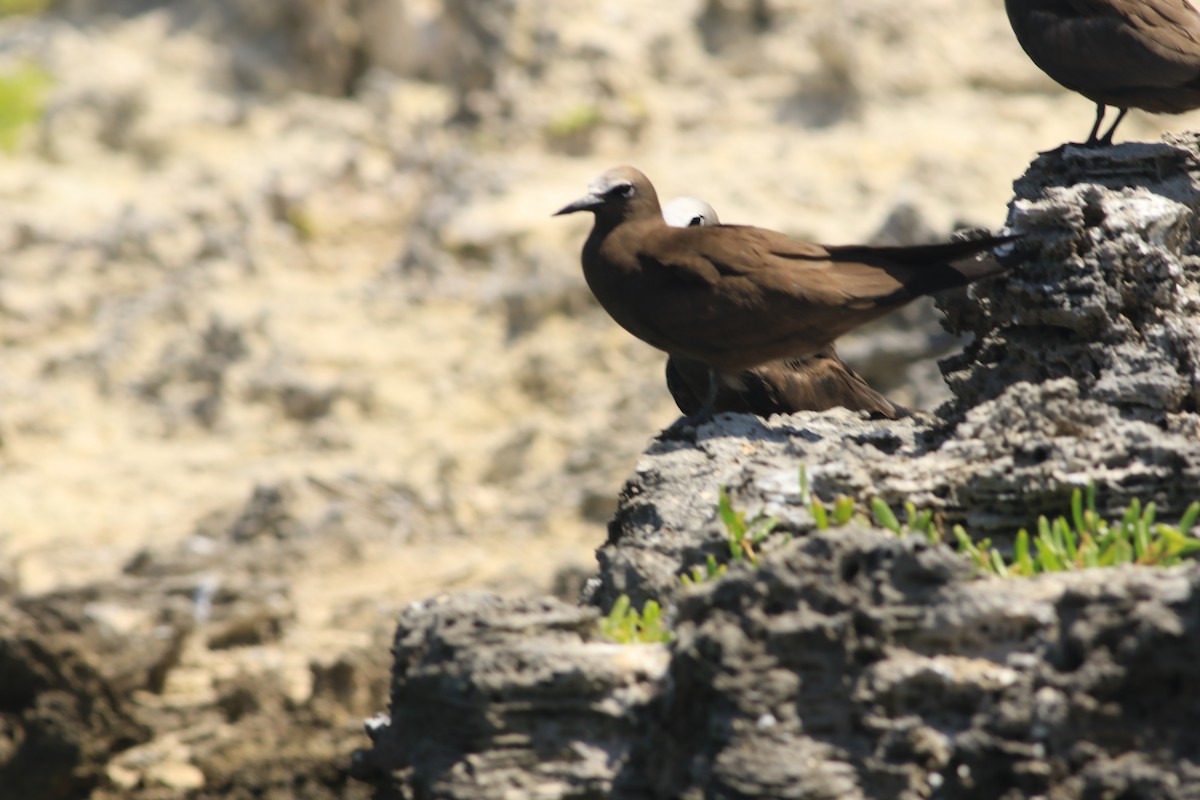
(626, 625)
(843, 506)
(708, 572)
(883, 516)
(843, 510)
(917, 521)
(744, 537)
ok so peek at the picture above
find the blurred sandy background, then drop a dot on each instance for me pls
(285, 270)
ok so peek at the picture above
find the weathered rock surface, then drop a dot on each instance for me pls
(854, 663)
(497, 698)
(179, 678)
(857, 664)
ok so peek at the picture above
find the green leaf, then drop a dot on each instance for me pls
(977, 552)
(761, 528)
(1069, 540)
(1141, 537)
(731, 519)
(843, 509)
(1189, 519)
(1021, 557)
(883, 515)
(818, 513)
(1148, 514)
(736, 551)
(625, 625)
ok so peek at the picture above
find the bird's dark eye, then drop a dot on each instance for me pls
(624, 190)
(696, 221)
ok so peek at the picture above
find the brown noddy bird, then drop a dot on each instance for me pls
(735, 297)
(816, 382)
(1124, 53)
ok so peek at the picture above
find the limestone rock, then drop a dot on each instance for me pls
(491, 697)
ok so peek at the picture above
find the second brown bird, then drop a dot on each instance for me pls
(816, 382)
(1124, 53)
(735, 297)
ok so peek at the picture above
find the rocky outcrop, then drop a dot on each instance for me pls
(500, 697)
(852, 662)
(862, 665)
(855, 664)
(1085, 367)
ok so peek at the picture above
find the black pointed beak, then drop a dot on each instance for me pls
(589, 203)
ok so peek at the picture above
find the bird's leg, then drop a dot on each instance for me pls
(710, 396)
(1106, 139)
(1092, 141)
(706, 410)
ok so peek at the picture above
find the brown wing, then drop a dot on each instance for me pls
(736, 297)
(725, 296)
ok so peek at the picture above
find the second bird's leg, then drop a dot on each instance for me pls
(1106, 139)
(1092, 140)
(707, 408)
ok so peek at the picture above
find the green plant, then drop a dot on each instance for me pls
(745, 537)
(843, 506)
(710, 570)
(918, 521)
(742, 536)
(22, 96)
(1088, 541)
(624, 624)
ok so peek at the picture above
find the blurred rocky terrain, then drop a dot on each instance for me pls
(290, 339)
